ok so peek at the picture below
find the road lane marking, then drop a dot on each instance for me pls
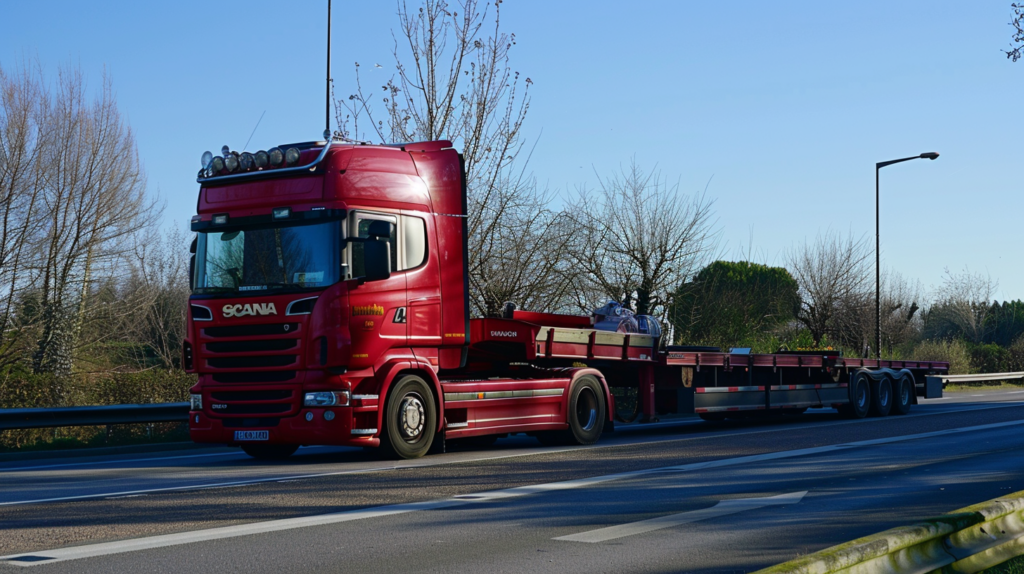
(723, 508)
(441, 460)
(161, 541)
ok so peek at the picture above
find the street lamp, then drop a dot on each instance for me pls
(878, 272)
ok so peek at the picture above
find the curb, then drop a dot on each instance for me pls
(968, 540)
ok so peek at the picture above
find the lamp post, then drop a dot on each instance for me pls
(878, 272)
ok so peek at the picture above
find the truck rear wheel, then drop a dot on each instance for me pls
(881, 397)
(860, 398)
(270, 451)
(903, 395)
(586, 411)
(410, 419)
(586, 414)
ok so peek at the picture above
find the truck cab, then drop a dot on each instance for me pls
(324, 273)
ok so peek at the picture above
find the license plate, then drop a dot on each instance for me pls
(252, 435)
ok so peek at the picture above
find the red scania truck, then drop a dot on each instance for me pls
(330, 306)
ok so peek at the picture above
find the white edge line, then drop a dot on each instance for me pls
(107, 548)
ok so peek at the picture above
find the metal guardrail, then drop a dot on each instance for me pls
(969, 540)
(93, 416)
(980, 378)
(942, 380)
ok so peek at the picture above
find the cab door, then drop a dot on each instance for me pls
(377, 309)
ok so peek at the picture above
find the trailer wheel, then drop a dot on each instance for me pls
(881, 397)
(270, 451)
(903, 396)
(410, 419)
(860, 398)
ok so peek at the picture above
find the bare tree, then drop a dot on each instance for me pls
(638, 238)
(22, 97)
(901, 305)
(155, 293)
(91, 201)
(833, 275)
(961, 307)
(454, 83)
(1017, 43)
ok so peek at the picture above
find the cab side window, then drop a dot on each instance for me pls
(362, 228)
(414, 242)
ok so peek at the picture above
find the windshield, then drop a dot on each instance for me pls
(268, 258)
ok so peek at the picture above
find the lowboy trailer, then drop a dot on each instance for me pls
(330, 306)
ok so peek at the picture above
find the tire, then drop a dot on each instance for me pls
(410, 419)
(270, 451)
(903, 396)
(860, 398)
(587, 411)
(881, 397)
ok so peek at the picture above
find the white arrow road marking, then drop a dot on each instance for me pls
(103, 549)
(723, 508)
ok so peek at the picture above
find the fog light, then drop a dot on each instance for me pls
(329, 416)
(276, 156)
(220, 219)
(291, 156)
(196, 402)
(282, 212)
(262, 159)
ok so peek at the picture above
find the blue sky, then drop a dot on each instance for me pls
(785, 108)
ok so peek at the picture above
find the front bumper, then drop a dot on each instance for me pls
(293, 429)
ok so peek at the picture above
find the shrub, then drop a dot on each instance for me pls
(989, 358)
(954, 352)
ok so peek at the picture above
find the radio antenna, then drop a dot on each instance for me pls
(327, 111)
(254, 130)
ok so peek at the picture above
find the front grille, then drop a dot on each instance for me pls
(251, 422)
(252, 362)
(251, 395)
(251, 330)
(252, 346)
(250, 409)
(254, 377)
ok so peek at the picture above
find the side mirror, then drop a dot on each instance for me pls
(192, 264)
(377, 259)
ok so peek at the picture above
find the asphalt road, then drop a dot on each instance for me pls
(677, 496)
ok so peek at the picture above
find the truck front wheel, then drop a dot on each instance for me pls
(410, 419)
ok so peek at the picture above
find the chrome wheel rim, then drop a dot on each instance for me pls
(412, 417)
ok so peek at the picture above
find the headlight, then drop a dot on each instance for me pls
(262, 159)
(326, 399)
(197, 402)
(217, 164)
(231, 162)
(291, 157)
(246, 161)
(276, 156)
